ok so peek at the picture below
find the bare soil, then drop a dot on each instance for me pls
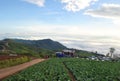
(14, 69)
(5, 57)
(70, 73)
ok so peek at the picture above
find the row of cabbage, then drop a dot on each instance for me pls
(84, 70)
(50, 70)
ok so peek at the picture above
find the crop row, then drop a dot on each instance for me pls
(84, 70)
(50, 70)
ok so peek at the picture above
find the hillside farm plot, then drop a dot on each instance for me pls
(58, 69)
(84, 70)
(50, 70)
(7, 61)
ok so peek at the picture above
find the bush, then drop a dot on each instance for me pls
(14, 61)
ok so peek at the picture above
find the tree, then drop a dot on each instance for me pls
(112, 50)
(108, 54)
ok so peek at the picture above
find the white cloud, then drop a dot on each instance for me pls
(93, 43)
(77, 5)
(39, 3)
(84, 42)
(111, 11)
(71, 30)
(108, 11)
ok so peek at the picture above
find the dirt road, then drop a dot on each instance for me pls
(11, 70)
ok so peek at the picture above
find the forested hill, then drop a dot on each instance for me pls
(36, 47)
(30, 47)
(45, 44)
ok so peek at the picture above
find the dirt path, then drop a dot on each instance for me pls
(11, 70)
(70, 73)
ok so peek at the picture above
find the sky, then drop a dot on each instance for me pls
(92, 25)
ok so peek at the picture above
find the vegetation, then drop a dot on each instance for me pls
(44, 44)
(37, 48)
(50, 70)
(85, 70)
(86, 54)
(13, 61)
(82, 70)
(112, 50)
(40, 48)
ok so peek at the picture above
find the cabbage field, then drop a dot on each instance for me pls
(69, 69)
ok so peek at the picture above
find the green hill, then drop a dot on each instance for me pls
(39, 48)
(45, 44)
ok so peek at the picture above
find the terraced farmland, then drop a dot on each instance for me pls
(69, 69)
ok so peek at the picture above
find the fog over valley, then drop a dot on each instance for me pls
(82, 42)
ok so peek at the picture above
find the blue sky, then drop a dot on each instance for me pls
(63, 20)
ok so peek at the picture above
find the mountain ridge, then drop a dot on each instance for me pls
(44, 43)
(30, 47)
(39, 48)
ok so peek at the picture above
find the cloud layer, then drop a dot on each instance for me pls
(77, 5)
(70, 5)
(39, 3)
(108, 11)
(111, 11)
(83, 42)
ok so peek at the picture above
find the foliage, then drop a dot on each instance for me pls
(12, 47)
(50, 70)
(44, 44)
(14, 61)
(83, 70)
(112, 50)
(85, 54)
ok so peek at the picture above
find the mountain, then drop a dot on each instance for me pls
(8, 46)
(45, 44)
(39, 48)
(30, 47)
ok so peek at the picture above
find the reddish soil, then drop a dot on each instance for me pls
(5, 57)
(14, 69)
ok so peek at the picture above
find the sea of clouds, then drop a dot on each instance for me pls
(101, 44)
